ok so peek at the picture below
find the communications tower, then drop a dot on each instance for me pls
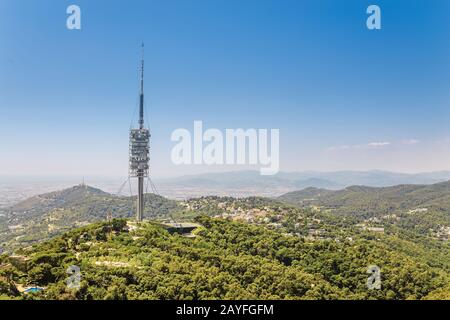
(139, 150)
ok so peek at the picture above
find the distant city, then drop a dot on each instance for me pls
(236, 183)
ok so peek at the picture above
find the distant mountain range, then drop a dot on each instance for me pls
(235, 183)
(248, 183)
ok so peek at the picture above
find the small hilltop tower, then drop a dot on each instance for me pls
(139, 150)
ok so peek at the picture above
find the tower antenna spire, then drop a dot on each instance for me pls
(141, 100)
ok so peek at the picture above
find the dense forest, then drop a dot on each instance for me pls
(222, 259)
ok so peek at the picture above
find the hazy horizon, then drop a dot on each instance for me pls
(80, 177)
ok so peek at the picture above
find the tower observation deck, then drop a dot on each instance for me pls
(139, 150)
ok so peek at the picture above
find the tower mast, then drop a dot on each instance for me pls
(140, 198)
(141, 98)
(139, 150)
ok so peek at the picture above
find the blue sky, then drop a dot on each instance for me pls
(342, 96)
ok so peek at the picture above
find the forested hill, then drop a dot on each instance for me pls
(370, 201)
(224, 260)
(44, 216)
